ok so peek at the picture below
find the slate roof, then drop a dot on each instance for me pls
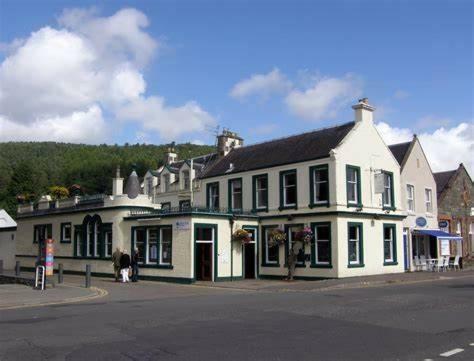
(298, 148)
(442, 179)
(400, 150)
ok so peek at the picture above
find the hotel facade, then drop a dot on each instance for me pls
(342, 182)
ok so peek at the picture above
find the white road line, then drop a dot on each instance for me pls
(471, 344)
(451, 352)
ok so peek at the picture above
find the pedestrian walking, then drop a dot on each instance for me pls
(135, 256)
(116, 263)
(125, 266)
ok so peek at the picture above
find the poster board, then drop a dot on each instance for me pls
(49, 257)
(444, 245)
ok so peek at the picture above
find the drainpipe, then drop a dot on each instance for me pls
(231, 223)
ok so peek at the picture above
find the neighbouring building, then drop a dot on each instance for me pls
(456, 206)
(7, 240)
(421, 234)
(342, 182)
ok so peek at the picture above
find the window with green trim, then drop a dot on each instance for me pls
(166, 206)
(235, 194)
(288, 189)
(66, 230)
(388, 194)
(79, 241)
(355, 244)
(270, 253)
(260, 192)
(108, 239)
(353, 186)
(185, 205)
(389, 244)
(42, 232)
(292, 242)
(154, 245)
(212, 195)
(321, 247)
(319, 185)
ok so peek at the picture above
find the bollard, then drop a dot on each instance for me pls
(88, 275)
(60, 273)
(1, 266)
(17, 268)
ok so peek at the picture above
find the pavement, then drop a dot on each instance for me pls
(352, 319)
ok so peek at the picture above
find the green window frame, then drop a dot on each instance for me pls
(300, 263)
(358, 187)
(265, 262)
(314, 245)
(255, 198)
(312, 191)
(391, 192)
(63, 228)
(166, 206)
(360, 245)
(283, 204)
(107, 236)
(145, 256)
(230, 195)
(78, 241)
(208, 195)
(215, 242)
(184, 205)
(47, 229)
(391, 243)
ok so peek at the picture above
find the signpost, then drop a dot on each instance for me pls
(49, 257)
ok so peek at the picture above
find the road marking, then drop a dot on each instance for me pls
(471, 344)
(451, 352)
(428, 359)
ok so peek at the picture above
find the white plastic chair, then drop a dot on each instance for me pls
(424, 265)
(440, 264)
(416, 262)
(455, 263)
(446, 263)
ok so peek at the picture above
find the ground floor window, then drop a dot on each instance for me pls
(108, 242)
(292, 243)
(79, 241)
(154, 245)
(355, 244)
(321, 246)
(270, 252)
(389, 244)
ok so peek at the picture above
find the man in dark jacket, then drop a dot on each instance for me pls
(116, 263)
(125, 266)
(135, 256)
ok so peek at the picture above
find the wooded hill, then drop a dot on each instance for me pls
(33, 167)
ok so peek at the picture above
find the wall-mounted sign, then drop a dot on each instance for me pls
(183, 225)
(443, 224)
(379, 183)
(445, 247)
(421, 221)
(49, 257)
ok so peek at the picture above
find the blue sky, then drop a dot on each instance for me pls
(413, 59)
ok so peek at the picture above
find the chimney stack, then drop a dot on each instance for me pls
(117, 183)
(170, 155)
(227, 141)
(363, 111)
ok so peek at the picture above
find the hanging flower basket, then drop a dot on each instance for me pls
(277, 237)
(305, 235)
(241, 235)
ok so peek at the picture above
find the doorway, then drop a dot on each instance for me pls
(204, 261)
(249, 260)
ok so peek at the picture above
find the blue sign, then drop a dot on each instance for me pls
(421, 221)
(443, 224)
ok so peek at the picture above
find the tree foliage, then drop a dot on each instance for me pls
(29, 169)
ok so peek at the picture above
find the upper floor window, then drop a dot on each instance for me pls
(410, 198)
(319, 183)
(166, 206)
(260, 192)
(166, 179)
(458, 227)
(387, 195)
(212, 195)
(353, 185)
(235, 194)
(149, 186)
(186, 181)
(288, 191)
(428, 200)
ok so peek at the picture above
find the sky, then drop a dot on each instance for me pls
(159, 71)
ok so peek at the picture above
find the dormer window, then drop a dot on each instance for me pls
(166, 179)
(186, 181)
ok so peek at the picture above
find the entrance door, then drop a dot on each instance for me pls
(204, 262)
(249, 260)
(405, 250)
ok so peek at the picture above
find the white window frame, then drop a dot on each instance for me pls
(234, 194)
(354, 184)
(429, 200)
(412, 199)
(267, 248)
(316, 241)
(357, 242)
(89, 234)
(213, 195)
(458, 227)
(259, 189)
(390, 241)
(315, 183)
(160, 255)
(63, 229)
(387, 189)
(286, 187)
(79, 242)
(96, 239)
(106, 241)
(186, 179)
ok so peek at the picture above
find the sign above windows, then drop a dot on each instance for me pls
(443, 224)
(421, 221)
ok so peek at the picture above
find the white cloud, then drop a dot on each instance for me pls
(444, 147)
(262, 85)
(87, 67)
(87, 126)
(325, 97)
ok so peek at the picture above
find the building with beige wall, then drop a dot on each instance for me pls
(342, 182)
